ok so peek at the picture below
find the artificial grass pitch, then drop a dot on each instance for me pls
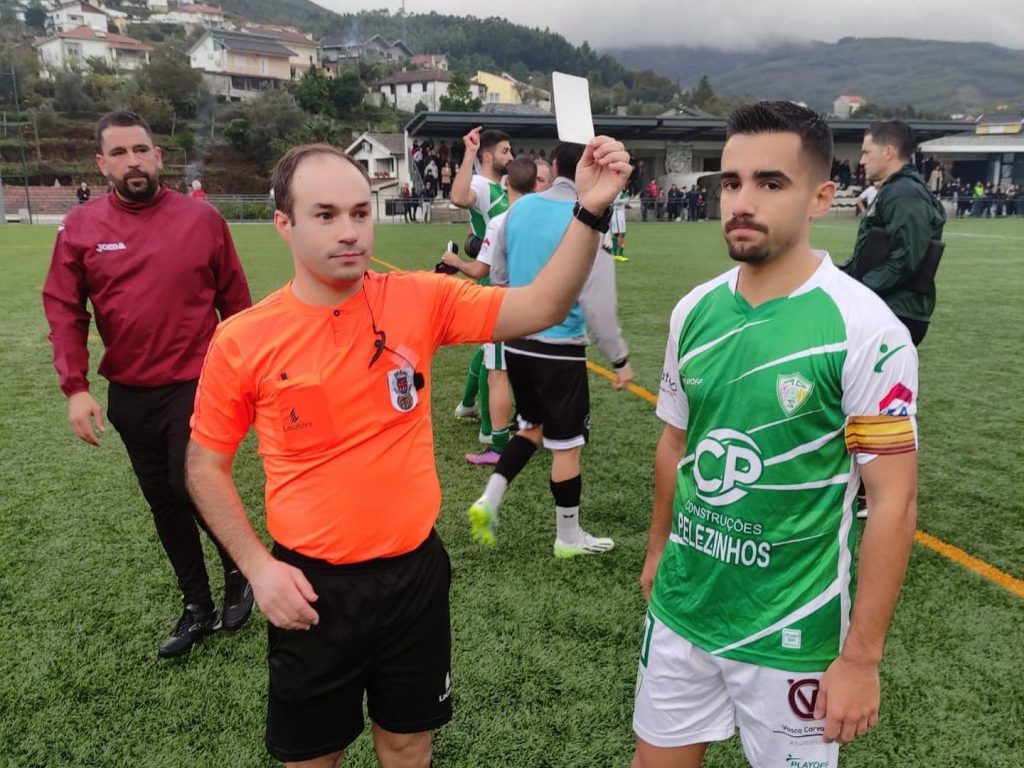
(545, 651)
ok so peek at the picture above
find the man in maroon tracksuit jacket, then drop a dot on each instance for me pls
(158, 268)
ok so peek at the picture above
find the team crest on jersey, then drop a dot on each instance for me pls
(400, 386)
(793, 390)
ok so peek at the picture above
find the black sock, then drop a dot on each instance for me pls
(567, 493)
(514, 457)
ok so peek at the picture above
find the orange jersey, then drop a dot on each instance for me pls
(347, 445)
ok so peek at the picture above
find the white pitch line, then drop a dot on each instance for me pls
(945, 234)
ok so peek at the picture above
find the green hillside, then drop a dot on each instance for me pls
(471, 43)
(931, 75)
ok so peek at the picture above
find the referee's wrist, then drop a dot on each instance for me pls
(621, 363)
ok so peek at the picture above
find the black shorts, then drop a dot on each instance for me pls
(384, 631)
(549, 383)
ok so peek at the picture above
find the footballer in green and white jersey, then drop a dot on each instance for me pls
(781, 403)
(491, 199)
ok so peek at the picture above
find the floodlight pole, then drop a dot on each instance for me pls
(21, 144)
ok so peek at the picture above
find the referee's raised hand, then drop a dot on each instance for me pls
(602, 173)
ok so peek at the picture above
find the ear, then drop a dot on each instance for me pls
(822, 201)
(159, 158)
(283, 226)
(101, 163)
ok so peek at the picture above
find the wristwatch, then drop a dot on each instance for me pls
(600, 223)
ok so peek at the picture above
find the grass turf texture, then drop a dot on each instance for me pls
(545, 651)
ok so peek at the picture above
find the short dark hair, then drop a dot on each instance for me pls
(281, 177)
(120, 118)
(567, 156)
(894, 133)
(786, 117)
(522, 175)
(491, 138)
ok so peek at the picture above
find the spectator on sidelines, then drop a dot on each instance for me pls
(83, 193)
(867, 197)
(334, 373)
(910, 217)
(160, 270)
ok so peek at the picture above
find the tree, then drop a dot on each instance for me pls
(313, 93)
(169, 76)
(158, 112)
(347, 92)
(35, 17)
(69, 93)
(459, 97)
(704, 97)
(273, 117)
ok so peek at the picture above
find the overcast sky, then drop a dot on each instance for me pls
(737, 23)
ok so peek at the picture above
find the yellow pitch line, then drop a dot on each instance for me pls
(980, 567)
(385, 264)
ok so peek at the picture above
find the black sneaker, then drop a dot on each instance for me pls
(195, 622)
(238, 600)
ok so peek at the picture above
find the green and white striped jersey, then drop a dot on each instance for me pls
(491, 199)
(758, 564)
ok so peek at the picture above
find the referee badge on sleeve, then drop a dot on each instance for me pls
(404, 396)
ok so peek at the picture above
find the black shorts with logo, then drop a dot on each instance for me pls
(549, 383)
(384, 631)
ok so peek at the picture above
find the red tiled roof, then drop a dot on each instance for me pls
(86, 32)
(280, 33)
(200, 8)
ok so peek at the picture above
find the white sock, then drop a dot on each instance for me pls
(495, 490)
(567, 524)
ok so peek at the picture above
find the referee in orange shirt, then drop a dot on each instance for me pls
(333, 371)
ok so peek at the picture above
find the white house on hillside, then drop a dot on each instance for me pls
(195, 15)
(404, 90)
(847, 104)
(59, 51)
(383, 156)
(64, 18)
(238, 65)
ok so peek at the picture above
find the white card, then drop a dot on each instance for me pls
(572, 108)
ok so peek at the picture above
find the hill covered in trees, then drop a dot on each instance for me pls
(471, 43)
(932, 76)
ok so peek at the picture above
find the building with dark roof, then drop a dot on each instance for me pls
(338, 52)
(237, 66)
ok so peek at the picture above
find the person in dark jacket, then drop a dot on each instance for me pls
(160, 271)
(910, 217)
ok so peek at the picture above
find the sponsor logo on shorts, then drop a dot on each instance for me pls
(447, 687)
(799, 762)
(803, 695)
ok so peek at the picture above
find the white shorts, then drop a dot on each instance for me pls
(494, 356)
(618, 222)
(687, 696)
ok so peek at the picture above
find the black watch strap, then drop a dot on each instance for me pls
(600, 223)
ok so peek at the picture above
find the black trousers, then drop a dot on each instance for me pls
(154, 425)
